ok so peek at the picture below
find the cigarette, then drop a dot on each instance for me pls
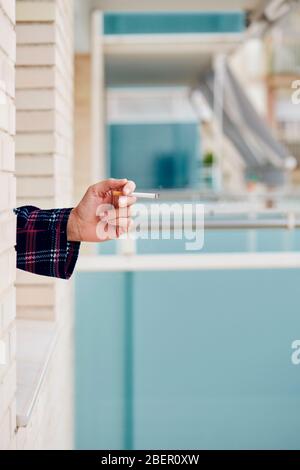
(139, 195)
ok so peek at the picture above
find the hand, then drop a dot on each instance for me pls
(101, 216)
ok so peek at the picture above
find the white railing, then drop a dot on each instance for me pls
(188, 262)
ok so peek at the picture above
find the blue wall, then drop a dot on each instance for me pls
(211, 359)
(177, 23)
(100, 345)
(188, 359)
(155, 155)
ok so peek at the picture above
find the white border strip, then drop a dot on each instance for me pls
(201, 262)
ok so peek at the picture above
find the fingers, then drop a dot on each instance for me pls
(114, 214)
(127, 187)
(108, 185)
(111, 231)
(122, 223)
(126, 201)
(115, 222)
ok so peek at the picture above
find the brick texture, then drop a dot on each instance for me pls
(44, 121)
(7, 226)
(44, 160)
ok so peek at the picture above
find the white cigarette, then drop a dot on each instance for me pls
(138, 195)
(146, 195)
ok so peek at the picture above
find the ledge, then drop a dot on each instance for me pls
(186, 262)
(36, 341)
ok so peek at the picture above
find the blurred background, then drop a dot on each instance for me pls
(193, 100)
(173, 349)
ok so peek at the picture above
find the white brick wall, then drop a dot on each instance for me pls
(51, 422)
(7, 226)
(44, 141)
(44, 153)
(45, 94)
(44, 100)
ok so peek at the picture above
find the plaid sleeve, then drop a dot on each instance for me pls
(42, 245)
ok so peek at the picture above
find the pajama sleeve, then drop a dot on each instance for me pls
(42, 245)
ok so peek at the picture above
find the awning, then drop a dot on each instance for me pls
(263, 155)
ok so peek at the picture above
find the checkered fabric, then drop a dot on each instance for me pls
(42, 245)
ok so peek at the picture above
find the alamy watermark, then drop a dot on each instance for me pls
(154, 222)
(296, 92)
(295, 357)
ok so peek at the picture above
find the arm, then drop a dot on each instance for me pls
(42, 244)
(48, 241)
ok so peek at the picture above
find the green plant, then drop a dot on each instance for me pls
(208, 159)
